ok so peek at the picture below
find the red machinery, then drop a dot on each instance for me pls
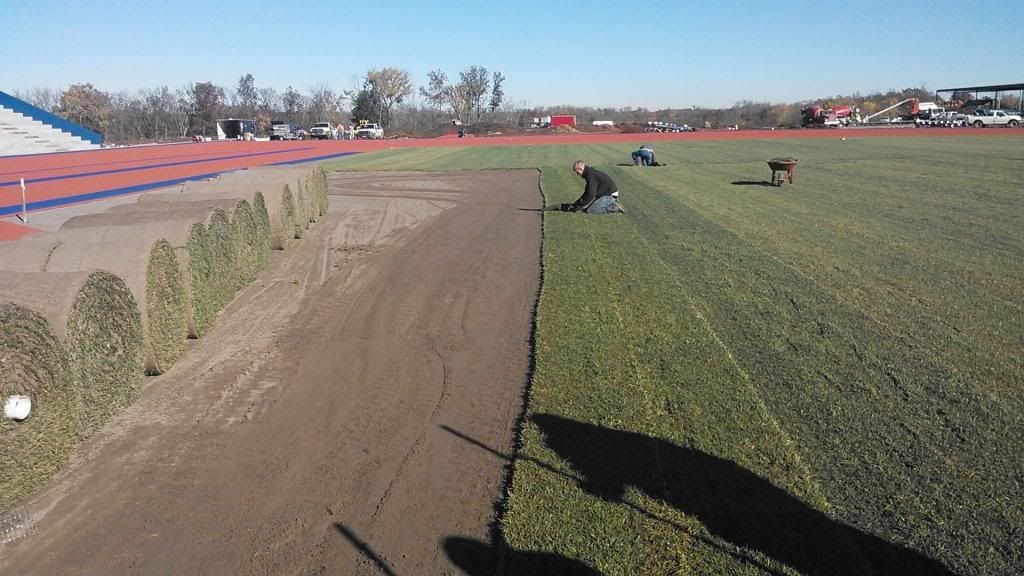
(819, 116)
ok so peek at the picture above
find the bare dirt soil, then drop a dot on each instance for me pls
(309, 432)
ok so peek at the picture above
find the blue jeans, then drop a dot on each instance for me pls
(645, 157)
(603, 205)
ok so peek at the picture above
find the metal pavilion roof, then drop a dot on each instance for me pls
(992, 88)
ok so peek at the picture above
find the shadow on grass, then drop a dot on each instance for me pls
(477, 558)
(751, 183)
(730, 501)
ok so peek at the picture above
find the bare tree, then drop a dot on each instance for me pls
(184, 108)
(248, 95)
(268, 105)
(124, 118)
(160, 105)
(43, 98)
(294, 106)
(268, 100)
(392, 87)
(323, 102)
(475, 84)
(445, 95)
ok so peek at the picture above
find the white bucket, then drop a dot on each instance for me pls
(17, 407)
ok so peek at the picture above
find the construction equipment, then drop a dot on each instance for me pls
(828, 117)
(915, 109)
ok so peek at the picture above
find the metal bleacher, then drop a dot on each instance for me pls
(26, 129)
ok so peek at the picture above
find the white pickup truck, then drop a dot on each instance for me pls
(984, 117)
(321, 131)
(369, 131)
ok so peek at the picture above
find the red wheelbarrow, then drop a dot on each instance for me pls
(782, 170)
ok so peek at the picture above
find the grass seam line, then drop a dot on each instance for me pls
(787, 440)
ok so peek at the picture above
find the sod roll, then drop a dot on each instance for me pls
(279, 186)
(155, 212)
(301, 210)
(262, 220)
(245, 243)
(320, 186)
(223, 257)
(284, 229)
(249, 225)
(150, 257)
(224, 252)
(267, 209)
(98, 323)
(33, 364)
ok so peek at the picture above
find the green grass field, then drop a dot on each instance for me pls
(738, 379)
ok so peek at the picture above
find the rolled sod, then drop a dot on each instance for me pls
(285, 228)
(33, 364)
(281, 203)
(247, 232)
(136, 213)
(252, 240)
(262, 220)
(265, 177)
(246, 243)
(212, 264)
(301, 210)
(149, 257)
(97, 320)
(320, 185)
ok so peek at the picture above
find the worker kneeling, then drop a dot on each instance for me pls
(600, 195)
(644, 157)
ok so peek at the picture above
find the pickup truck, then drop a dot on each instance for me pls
(369, 132)
(321, 131)
(983, 117)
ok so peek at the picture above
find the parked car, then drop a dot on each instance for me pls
(321, 131)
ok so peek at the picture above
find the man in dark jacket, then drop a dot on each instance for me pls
(600, 195)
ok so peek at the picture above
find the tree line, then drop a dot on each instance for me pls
(474, 97)
(162, 113)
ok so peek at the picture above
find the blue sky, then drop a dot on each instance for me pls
(649, 53)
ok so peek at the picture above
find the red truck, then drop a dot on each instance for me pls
(818, 116)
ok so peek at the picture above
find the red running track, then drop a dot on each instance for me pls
(60, 179)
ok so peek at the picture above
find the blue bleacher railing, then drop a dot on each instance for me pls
(26, 109)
